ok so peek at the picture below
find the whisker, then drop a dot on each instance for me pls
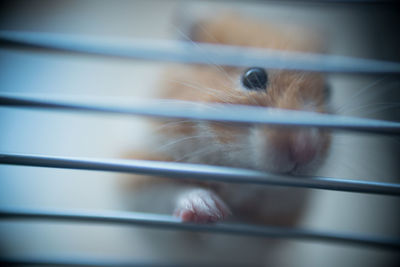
(171, 124)
(198, 152)
(186, 138)
(212, 63)
(208, 90)
(212, 149)
(387, 106)
(359, 92)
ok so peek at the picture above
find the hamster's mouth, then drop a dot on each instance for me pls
(290, 171)
(288, 168)
(294, 169)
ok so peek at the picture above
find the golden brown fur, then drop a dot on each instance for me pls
(286, 89)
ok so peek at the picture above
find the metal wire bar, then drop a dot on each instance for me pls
(324, 2)
(98, 262)
(214, 112)
(187, 52)
(169, 222)
(201, 172)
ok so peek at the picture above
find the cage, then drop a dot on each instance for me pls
(68, 214)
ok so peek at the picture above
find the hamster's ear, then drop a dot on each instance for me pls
(191, 21)
(187, 20)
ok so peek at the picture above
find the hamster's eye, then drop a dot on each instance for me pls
(255, 79)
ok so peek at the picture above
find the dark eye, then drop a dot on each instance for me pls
(255, 79)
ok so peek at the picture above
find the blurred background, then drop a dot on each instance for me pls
(356, 30)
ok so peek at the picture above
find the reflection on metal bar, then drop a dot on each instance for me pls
(201, 172)
(187, 52)
(169, 222)
(214, 112)
(98, 262)
(349, 2)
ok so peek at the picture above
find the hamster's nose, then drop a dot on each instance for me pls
(303, 147)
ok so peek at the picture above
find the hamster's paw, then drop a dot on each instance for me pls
(201, 206)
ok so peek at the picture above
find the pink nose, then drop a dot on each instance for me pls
(303, 148)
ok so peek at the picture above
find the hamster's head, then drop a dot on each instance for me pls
(268, 148)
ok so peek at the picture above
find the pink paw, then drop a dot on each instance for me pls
(201, 206)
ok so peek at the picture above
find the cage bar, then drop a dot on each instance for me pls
(213, 112)
(199, 53)
(99, 262)
(175, 170)
(169, 222)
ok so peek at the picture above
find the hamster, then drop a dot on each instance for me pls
(264, 148)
